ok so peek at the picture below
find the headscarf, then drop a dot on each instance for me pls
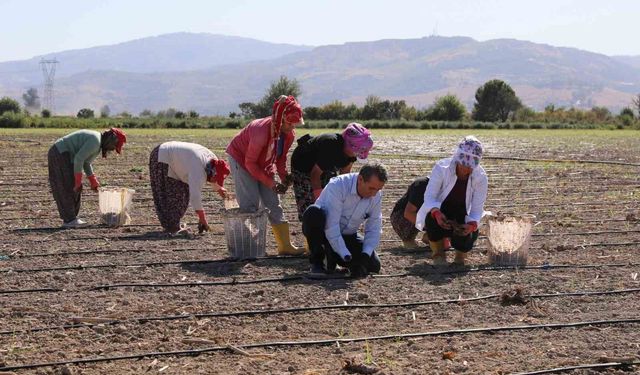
(469, 152)
(218, 169)
(112, 139)
(285, 108)
(358, 139)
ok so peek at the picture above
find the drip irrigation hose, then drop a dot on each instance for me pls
(298, 277)
(324, 342)
(321, 307)
(598, 366)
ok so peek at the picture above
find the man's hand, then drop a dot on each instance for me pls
(203, 225)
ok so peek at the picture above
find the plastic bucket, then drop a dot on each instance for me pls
(246, 233)
(509, 239)
(115, 205)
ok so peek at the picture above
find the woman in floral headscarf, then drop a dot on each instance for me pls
(317, 159)
(454, 201)
(255, 155)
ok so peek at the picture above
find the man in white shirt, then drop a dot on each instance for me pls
(331, 224)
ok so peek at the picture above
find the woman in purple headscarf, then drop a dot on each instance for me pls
(317, 159)
(454, 201)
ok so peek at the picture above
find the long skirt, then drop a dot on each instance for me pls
(61, 180)
(170, 196)
(303, 191)
(403, 227)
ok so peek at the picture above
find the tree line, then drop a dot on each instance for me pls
(495, 101)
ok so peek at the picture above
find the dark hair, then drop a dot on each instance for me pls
(371, 169)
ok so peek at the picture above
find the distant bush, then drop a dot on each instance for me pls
(85, 113)
(9, 105)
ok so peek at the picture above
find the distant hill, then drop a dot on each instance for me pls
(169, 52)
(416, 70)
(629, 60)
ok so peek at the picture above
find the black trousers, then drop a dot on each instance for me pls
(436, 233)
(313, 225)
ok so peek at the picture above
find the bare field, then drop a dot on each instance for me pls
(130, 301)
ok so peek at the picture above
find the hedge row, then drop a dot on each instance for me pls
(13, 120)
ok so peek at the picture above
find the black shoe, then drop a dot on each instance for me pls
(317, 269)
(359, 271)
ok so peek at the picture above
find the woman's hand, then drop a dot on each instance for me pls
(470, 227)
(440, 218)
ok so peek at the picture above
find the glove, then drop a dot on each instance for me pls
(93, 180)
(470, 227)
(440, 219)
(279, 188)
(203, 226)
(316, 193)
(77, 186)
(222, 192)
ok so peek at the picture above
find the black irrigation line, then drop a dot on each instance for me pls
(626, 366)
(267, 258)
(222, 247)
(18, 291)
(318, 308)
(227, 260)
(298, 277)
(324, 342)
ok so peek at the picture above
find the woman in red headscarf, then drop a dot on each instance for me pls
(68, 157)
(256, 154)
(177, 171)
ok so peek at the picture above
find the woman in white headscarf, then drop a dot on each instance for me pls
(454, 201)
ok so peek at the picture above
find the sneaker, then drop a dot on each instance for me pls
(75, 223)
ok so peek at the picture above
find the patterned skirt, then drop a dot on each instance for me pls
(403, 227)
(170, 196)
(303, 191)
(61, 180)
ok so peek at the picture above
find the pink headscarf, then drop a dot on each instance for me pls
(285, 108)
(358, 139)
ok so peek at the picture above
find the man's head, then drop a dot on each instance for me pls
(371, 179)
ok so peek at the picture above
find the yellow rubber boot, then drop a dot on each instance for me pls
(281, 234)
(460, 257)
(437, 253)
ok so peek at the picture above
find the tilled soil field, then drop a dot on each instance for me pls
(132, 301)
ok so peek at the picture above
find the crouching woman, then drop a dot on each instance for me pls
(454, 201)
(178, 171)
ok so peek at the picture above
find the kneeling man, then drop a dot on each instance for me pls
(331, 224)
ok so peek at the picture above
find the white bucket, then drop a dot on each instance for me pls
(246, 233)
(115, 205)
(509, 239)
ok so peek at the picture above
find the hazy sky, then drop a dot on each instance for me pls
(30, 28)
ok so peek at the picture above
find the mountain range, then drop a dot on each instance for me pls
(212, 74)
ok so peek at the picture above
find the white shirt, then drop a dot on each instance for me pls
(187, 163)
(443, 179)
(346, 211)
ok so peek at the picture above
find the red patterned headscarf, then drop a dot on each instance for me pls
(219, 170)
(285, 108)
(122, 138)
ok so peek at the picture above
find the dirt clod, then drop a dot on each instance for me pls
(352, 367)
(514, 297)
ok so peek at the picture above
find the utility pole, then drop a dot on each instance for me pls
(49, 72)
